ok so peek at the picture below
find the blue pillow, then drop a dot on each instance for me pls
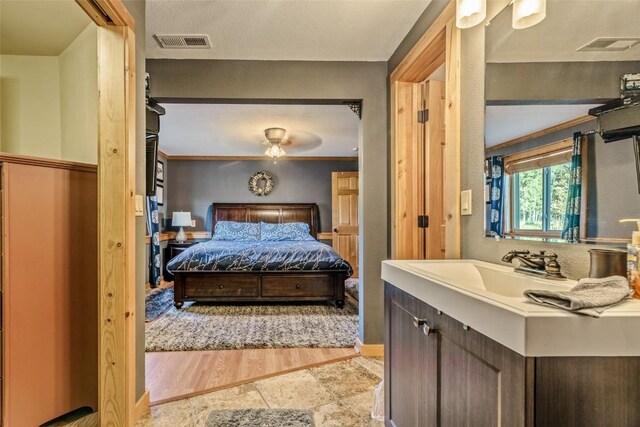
(237, 231)
(288, 231)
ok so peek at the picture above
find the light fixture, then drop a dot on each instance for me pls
(527, 13)
(181, 219)
(470, 13)
(275, 137)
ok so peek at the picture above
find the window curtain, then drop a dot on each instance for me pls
(496, 170)
(154, 247)
(571, 229)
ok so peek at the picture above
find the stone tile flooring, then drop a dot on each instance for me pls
(339, 394)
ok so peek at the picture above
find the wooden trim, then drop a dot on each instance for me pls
(452, 139)
(325, 236)
(142, 406)
(163, 154)
(49, 163)
(263, 158)
(428, 53)
(164, 237)
(108, 13)
(616, 240)
(369, 350)
(541, 133)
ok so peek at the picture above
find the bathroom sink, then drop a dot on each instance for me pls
(499, 280)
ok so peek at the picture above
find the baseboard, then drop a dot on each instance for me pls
(142, 406)
(369, 350)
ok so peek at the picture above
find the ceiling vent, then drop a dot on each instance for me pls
(183, 41)
(610, 44)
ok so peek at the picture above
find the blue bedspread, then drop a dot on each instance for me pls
(258, 256)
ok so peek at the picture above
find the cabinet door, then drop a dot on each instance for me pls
(410, 364)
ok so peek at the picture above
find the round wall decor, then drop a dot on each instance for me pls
(261, 183)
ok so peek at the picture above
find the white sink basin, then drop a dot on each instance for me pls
(489, 298)
(474, 276)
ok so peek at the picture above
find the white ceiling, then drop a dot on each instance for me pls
(569, 25)
(238, 129)
(39, 27)
(506, 122)
(314, 30)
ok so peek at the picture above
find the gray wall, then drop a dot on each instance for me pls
(535, 81)
(573, 258)
(137, 10)
(195, 184)
(206, 79)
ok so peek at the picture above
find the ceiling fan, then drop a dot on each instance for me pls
(275, 139)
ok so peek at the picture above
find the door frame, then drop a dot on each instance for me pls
(116, 210)
(440, 44)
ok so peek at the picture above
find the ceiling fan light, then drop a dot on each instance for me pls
(470, 13)
(275, 151)
(527, 13)
(275, 134)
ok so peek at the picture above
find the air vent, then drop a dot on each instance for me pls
(610, 44)
(183, 41)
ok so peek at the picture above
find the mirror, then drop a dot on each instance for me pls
(548, 175)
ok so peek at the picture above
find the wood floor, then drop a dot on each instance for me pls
(176, 375)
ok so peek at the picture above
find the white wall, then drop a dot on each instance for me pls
(79, 98)
(30, 101)
(49, 104)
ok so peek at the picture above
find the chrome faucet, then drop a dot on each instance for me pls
(540, 264)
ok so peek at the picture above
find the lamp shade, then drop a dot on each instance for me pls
(181, 219)
(470, 13)
(527, 13)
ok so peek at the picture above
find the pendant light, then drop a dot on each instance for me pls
(527, 13)
(470, 13)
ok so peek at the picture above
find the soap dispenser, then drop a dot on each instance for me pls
(633, 264)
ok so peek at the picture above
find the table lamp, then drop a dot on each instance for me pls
(181, 219)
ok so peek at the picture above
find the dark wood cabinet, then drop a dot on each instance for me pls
(440, 372)
(172, 250)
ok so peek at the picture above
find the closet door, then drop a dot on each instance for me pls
(49, 217)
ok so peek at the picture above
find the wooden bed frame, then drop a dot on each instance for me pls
(255, 286)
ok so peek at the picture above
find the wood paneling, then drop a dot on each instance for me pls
(344, 213)
(177, 375)
(49, 290)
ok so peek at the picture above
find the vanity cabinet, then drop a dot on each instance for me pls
(440, 372)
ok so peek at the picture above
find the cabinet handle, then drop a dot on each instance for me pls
(297, 285)
(422, 324)
(221, 286)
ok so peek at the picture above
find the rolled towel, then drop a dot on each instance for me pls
(589, 296)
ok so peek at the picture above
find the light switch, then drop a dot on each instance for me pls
(465, 202)
(139, 205)
(193, 222)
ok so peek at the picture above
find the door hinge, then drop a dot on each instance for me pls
(423, 221)
(423, 116)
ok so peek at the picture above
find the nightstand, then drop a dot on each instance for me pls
(172, 250)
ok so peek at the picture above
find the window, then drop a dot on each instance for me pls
(537, 188)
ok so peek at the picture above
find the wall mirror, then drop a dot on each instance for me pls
(548, 175)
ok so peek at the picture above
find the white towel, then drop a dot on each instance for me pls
(589, 296)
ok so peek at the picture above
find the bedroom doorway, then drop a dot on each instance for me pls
(249, 340)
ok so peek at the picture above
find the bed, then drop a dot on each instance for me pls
(220, 271)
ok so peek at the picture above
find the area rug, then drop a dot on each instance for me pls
(228, 327)
(156, 302)
(260, 418)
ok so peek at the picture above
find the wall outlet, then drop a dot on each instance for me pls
(193, 222)
(139, 205)
(465, 202)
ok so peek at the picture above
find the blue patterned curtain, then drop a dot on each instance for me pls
(496, 169)
(571, 229)
(154, 231)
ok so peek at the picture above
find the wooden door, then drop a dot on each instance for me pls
(419, 157)
(344, 210)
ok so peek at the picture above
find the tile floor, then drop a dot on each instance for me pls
(338, 394)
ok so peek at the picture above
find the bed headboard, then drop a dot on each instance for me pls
(267, 212)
